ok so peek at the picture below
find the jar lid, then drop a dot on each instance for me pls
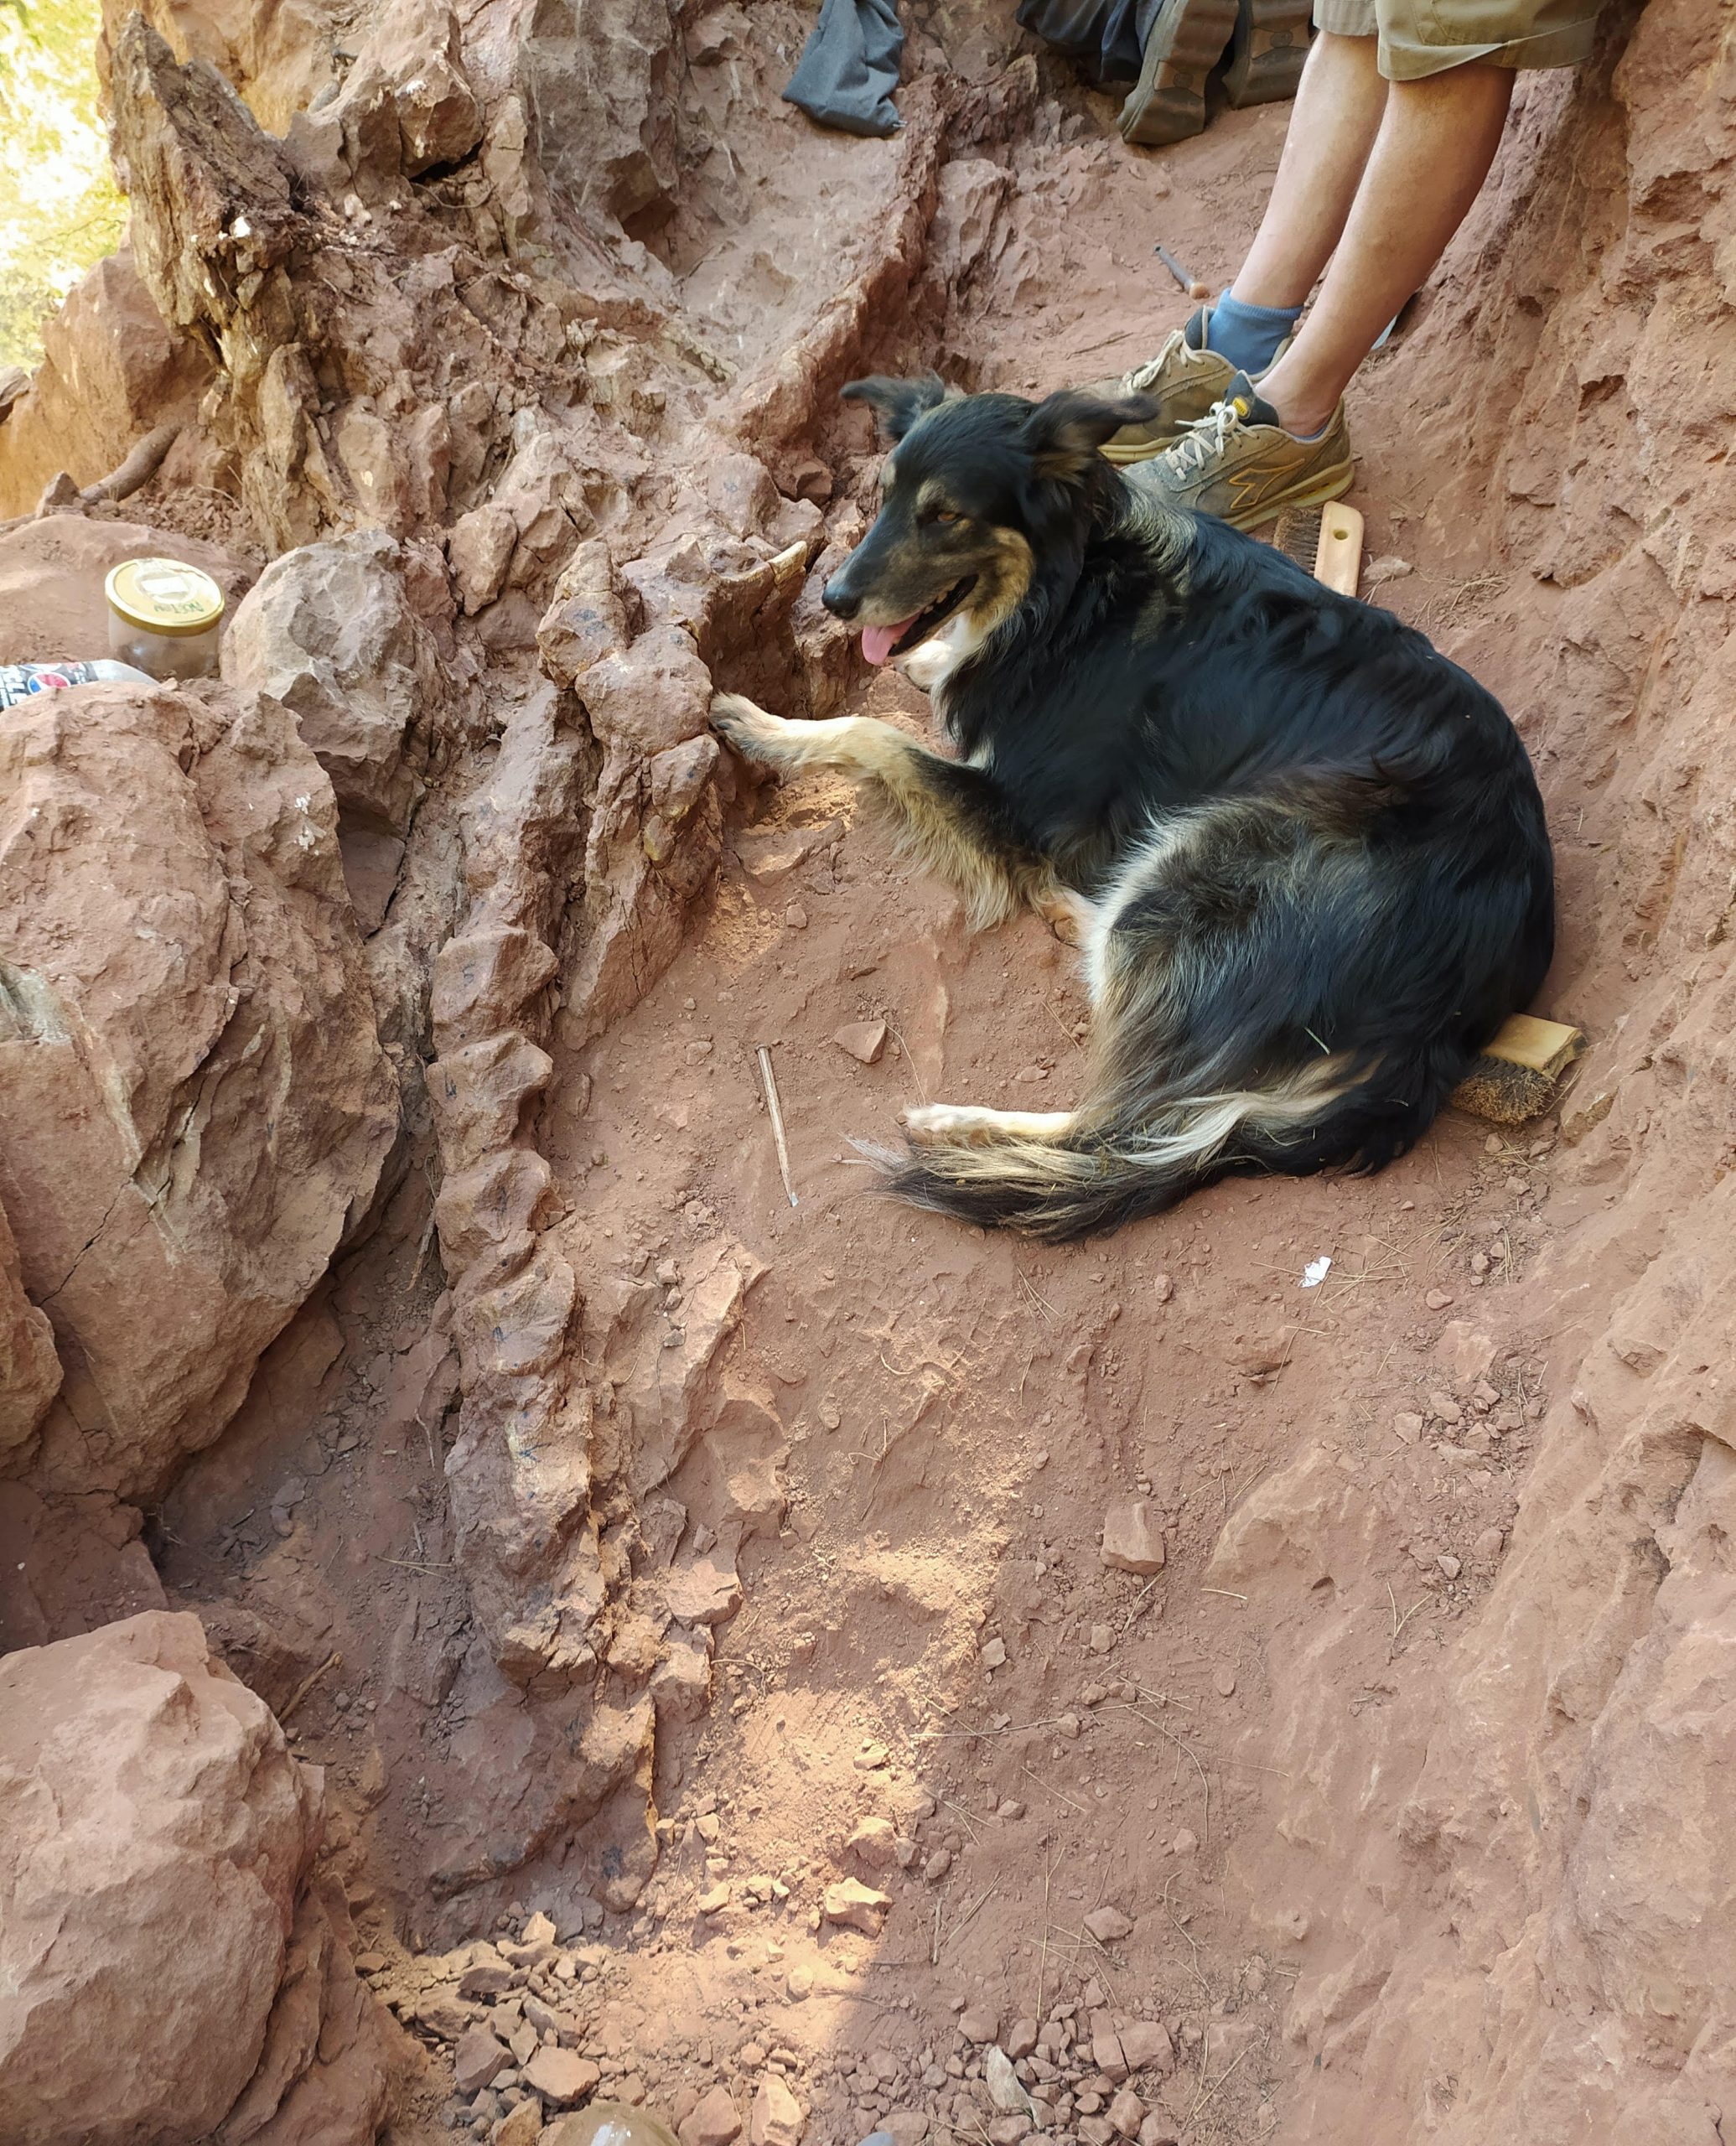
(163, 596)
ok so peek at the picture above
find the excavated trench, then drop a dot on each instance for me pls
(722, 1579)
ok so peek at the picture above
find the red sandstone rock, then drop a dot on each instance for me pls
(329, 630)
(146, 1798)
(196, 1109)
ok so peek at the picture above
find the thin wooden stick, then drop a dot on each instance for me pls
(331, 1661)
(776, 1109)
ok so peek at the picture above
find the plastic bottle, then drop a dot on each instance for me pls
(19, 680)
(613, 2123)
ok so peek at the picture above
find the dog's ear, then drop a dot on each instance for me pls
(1064, 432)
(897, 403)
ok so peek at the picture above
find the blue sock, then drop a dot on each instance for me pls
(1248, 335)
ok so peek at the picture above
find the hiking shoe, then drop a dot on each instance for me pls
(1266, 56)
(1185, 379)
(1186, 40)
(1238, 463)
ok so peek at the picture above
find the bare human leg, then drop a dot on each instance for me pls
(1437, 140)
(1339, 104)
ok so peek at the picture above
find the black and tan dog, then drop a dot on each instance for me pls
(1304, 854)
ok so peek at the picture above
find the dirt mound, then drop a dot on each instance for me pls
(803, 1665)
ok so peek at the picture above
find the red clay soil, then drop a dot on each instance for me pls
(1386, 1797)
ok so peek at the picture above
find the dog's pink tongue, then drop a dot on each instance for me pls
(878, 642)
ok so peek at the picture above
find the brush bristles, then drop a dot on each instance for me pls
(1504, 1093)
(1297, 535)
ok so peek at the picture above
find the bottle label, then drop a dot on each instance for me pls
(19, 680)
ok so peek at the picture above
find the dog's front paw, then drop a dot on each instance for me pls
(750, 729)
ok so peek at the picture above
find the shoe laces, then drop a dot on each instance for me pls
(1147, 375)
(1203, 438)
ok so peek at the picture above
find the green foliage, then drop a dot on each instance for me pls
(59, 208)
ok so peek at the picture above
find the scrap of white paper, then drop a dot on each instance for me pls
(1315, 1272)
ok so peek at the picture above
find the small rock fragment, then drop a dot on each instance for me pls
(1449, 1564)
(993, 1654)
(714, 2122)
(1127, 2112)
(873, 1843)
(1002, 2081)
(776, 2118)
(1106, 2051)
(863, 1040)
(1021, 2038)
(1185, 1842)
(1102, 1638)
(1133, 1538)
(938, 1864)
(977, 2022)
(1147, 2046)
(856, 1906)
(1224, 1683)
(1406, 1426)
(561, 2075)
(1437, 1299)
(715, 1901)
(522, 2126)
(1164, 1289)
(1107, 1924)
(479, 2059)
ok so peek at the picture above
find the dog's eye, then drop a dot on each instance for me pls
(942, 514)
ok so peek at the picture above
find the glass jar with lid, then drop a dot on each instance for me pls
(165, 617)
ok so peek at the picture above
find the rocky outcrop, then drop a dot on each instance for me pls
(112, 370)
(281, 59)
(168, 1972)
(194, 1103)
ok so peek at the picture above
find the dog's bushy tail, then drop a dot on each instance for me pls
(1139, 1154)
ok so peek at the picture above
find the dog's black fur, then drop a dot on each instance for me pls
(1347, 881)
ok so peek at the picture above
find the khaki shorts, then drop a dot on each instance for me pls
(1426, 37)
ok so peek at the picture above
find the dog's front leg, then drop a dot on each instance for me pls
(949, 814)
(857, 744)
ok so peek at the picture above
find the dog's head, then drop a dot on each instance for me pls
(977, 491)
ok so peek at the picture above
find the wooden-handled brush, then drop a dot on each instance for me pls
(1516, 1078)
(1326, 540)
